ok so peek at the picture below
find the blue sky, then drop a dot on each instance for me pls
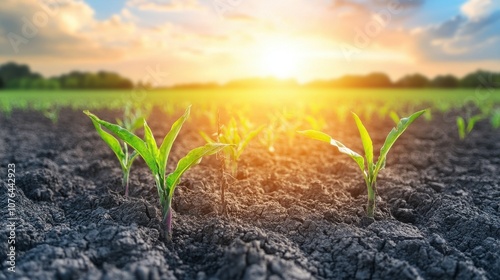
(434, 12)
(105, 9)
(302, 39)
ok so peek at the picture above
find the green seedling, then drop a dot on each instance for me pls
(237, 137)
(495, 119)
(289, 122)
(157, 158)
(52, 113)
(316, 123)
(268, 135)
(465, 127)
(6, 108)
(382, 110)
(372, 168)
(341, 112)
(133, 117)
(428, 115)
(132, 120)
(268, 138)
(394, 116)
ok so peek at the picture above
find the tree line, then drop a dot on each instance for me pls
(16, 76)
(476, 79)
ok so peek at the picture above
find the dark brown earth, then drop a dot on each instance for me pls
(297, 214)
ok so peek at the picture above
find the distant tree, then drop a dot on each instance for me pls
(12, 71)
(100, 80)
(256, 82)
(413, 81)
(2, 85)
(446, 81)
(480, 78)
(377, 80)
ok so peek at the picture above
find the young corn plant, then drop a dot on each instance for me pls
(394, 116)
(465, 127)
(156, 159)
(316, 123)
(268, 138)
(495, 119)
(237, 137)
(289, 122)
(428, 115)
(51, 112)
(6, 108)
(132, 120)
(369, 168)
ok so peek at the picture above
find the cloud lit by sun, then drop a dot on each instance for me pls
(300, 39)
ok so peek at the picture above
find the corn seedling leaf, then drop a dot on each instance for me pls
(150, 140)
(392, 137)
(109, 139)
(247, 140)
(394, 116)
(131, 158)
(133, 140)
(206, 137)
(169, 139)
(472, 122)
(139, 122)
(192, 158)
(461, 127)
(318, 135)
(366, 140)
(495, 119)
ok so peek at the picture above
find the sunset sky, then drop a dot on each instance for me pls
(220, 40)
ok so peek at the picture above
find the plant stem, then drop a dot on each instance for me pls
(223, 184)
(167, 221)
(166, 207)
(371, 199)
(126, 172)
(222, 179)
(125, 181)
(234, 168)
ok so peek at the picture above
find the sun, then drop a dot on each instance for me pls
(280, 59)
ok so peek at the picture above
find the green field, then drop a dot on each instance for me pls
(327, 97)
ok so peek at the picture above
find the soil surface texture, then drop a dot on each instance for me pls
(298, 213)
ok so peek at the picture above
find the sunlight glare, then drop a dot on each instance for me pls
(280, 59)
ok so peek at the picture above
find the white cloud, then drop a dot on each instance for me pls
(199, 45)
(165, 5)
(461, 39)
(477, 9)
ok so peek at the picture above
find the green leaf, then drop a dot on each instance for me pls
(131, 158)
(366, 140)
(109, 139)
(206, 137)
(461, 127)
(138, 123)
(318, 135)
(392, 137)
(192, 158)
(472, 122)
(428, 115)
(150, 140)
(394, 116)
(133, 140)
(247, 140)
(169, 140)
(495, 119)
